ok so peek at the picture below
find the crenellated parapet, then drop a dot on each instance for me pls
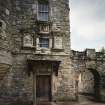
(90, 57)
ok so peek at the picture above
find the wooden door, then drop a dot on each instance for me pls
(43, 88)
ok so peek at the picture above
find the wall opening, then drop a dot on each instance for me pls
(89, 83)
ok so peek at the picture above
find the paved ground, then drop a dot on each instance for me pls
(74, 103)
(59, 103)
(82, 101)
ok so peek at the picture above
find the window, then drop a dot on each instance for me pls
(44, 42)
(43, 11)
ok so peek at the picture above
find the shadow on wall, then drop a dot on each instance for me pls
(96, 84)
(97, 96)
(90, 85)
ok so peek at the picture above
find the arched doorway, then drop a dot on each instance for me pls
(89, 83)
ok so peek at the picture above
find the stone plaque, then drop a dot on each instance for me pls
(27, 40)
(58, 42)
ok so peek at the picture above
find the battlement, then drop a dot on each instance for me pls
(89, 54)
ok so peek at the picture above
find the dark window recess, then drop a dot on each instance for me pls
(44, 42)
(0, 24)
(43, 11)
(43, 1)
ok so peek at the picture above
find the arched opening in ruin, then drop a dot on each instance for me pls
(96, 83)
(89, 83)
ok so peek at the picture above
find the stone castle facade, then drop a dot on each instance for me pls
(36, 62)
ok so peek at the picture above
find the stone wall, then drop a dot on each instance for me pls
(18, 83)
(5, 35)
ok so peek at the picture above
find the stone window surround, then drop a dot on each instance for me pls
(52, 43)
(44, 42)
(36, 40)
(42, 48)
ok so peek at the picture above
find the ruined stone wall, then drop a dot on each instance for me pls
(89, 67)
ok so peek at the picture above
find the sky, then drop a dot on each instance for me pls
(87, 22)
